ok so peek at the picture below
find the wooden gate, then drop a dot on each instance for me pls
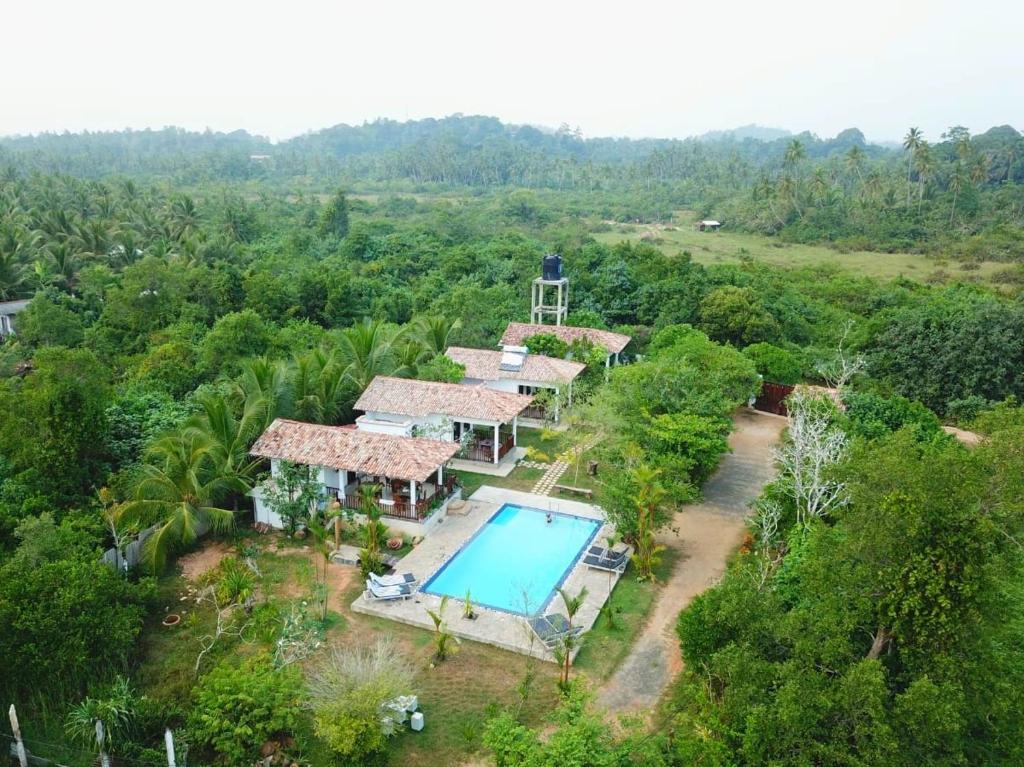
(772, 398)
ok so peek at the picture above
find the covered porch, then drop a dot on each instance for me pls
(484, 442)
(395, 498)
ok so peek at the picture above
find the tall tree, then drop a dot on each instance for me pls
(911, 144)
(178, 492)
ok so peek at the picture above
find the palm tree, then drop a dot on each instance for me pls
(177, 491)
(185, 217)
(12, 272)
(911, 143)
(317, 384)
(230, 437)
(367, 351)
(956, 184)
(649, 496)
(795, 153)
(264, 384)
(855, 161)
(570, 638)
(434, 333)
(924, 164)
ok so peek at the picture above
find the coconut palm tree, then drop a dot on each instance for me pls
(179, 487)
(855, 161)
(231, 438)
(924, 164)
(367, 350)
(264, 383)
(435, 333)
(957, 181)
(185, 217)
(12, 271)
(318, 386)
(911, 143)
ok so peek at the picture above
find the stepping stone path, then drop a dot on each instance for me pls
(551, 476)
(558, 468)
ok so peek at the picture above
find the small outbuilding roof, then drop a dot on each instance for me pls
(406, 396)
(516, 332)
(486, 365)
(710, 222)
(407, 458)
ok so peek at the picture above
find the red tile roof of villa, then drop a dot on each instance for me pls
(406, 458)
(485, 365)
(517, 332)
(406, 396)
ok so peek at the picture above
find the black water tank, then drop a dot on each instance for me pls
(552, 267)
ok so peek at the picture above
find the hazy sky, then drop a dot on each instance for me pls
(634, 68)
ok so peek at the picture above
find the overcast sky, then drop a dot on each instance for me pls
(633, 68)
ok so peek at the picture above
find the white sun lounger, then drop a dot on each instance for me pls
(398, 579)
(375, 592)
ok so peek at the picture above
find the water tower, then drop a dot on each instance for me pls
(542, 295)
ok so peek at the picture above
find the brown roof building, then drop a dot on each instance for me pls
(405, 458)
(487, 365)
(420, 399)
(517, 332)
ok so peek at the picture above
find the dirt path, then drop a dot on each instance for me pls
(706, 534)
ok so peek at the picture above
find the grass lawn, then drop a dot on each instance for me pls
(604, 647)
(456, 696)
(727, 247)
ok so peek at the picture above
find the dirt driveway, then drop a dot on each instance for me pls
(706, 534)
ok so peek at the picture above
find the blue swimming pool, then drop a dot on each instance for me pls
(516, 560)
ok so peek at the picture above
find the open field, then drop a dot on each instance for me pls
(726, 247)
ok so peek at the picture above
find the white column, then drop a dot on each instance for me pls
(497, 428)
(412, 494)
(557, 398)
(515, 434)
(440, 476)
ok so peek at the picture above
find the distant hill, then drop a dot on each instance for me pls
(752, 131)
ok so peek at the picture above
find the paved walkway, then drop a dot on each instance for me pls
(561, 465)
(706, 534)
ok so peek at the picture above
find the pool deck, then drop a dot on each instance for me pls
(494, 627)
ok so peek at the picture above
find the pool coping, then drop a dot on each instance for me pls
(542, 607)
(506, 630)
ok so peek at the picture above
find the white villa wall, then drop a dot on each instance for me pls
(509, 384)
(262, 512)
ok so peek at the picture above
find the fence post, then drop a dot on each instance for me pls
(19, 744)
(169, 743)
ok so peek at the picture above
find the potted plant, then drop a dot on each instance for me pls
(467, 608)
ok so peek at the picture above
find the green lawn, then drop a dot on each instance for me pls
(726, 247)
(605, 646)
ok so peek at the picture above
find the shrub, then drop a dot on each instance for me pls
(237, 708)
(350, 693)
(547, 344)
(775, 364)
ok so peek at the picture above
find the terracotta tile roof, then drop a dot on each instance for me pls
(405, 396)
(517, 331)
(336, 447)
(485, 365)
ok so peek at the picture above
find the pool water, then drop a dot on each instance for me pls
(516, 560)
